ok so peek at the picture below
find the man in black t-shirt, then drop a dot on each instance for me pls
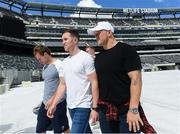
(119, 73)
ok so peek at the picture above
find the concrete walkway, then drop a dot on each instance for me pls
(160, 100)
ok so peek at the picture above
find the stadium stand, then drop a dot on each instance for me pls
(155, 33)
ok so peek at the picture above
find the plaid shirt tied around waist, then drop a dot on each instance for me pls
(113, 112)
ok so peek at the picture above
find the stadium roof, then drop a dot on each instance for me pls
(43, 7)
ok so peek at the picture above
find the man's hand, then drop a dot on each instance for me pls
(50, 111)
(94, 116)
(48, 103)
(134, 121)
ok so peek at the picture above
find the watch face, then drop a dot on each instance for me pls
(96, 109)
(134, 110)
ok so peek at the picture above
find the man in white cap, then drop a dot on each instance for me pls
(118, 69)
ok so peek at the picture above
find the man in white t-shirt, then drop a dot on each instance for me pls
(79, 80)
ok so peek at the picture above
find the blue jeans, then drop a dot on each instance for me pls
(80, 120)
(120, 126)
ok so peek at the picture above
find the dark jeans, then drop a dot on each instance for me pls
(80, 120)
(120, 126)
(59, 123)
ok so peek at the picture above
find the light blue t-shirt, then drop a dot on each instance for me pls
(51, 78)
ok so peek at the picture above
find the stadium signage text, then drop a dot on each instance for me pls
(140, 10)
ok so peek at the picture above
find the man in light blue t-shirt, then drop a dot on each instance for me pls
(51, 70)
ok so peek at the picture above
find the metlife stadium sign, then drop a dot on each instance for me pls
(140, 10)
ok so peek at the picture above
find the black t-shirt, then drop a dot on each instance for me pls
(112, 67)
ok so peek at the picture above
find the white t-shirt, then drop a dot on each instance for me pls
(75, 71)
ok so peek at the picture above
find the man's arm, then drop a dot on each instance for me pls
(135, 88)
(56, 97)
(95, 95)
(133, 119)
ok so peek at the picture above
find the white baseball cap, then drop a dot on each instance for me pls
(103, 25)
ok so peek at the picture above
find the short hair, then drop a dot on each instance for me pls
(41, 49)
(72, 32)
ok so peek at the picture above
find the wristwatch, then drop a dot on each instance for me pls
(95, 109)
(134, 110)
